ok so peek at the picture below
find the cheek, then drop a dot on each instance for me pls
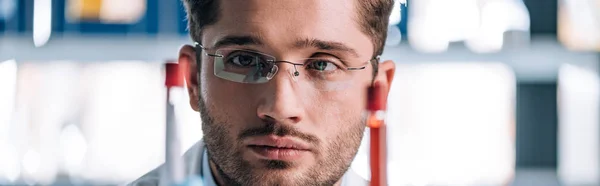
(334, 111)
(342, 125)
(220, 93)
(225, 100)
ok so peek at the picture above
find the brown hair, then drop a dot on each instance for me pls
(372, 16)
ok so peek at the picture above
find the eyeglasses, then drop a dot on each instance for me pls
(325, 73)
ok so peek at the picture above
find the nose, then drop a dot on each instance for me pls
(280, 99)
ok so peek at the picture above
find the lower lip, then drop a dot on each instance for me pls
(283, 154)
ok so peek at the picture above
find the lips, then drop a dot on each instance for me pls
(277, 148)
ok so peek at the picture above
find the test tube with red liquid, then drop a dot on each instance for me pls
(174, 168)
(376, 112)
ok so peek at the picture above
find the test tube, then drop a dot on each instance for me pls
(376, 104)
(174, 169)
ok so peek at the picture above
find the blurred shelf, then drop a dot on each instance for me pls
(535, 177)
(93, 48)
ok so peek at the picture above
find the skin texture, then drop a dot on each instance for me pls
(329, 121)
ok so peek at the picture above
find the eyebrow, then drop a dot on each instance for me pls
(237, 40)
(303, 43)
(325, 45)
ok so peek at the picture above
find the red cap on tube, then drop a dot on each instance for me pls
(376, 98)
(174, 76)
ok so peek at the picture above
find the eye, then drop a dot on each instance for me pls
(322, 65)
(243, 59)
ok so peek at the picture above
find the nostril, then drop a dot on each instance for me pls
(267, 119)
(295, 119)
(270, 121)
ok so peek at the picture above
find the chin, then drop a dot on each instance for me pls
(278, 172)
(276, 169)
(279, 177)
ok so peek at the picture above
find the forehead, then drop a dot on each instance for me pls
(280, 22)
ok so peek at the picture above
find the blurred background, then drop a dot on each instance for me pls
(487, 92)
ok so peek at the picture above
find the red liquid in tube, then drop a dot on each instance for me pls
(376, 104)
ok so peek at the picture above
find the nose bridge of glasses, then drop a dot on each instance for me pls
(292, 68)
(276, 67)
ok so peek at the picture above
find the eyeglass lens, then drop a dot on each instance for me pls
(244, 66)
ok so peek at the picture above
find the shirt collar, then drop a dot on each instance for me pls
(208, 178)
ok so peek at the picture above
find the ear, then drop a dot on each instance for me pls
(385, 75)
(187, 59)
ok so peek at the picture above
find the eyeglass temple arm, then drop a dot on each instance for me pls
(373, 62)
(199, 46)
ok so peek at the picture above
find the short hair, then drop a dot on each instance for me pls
(372, 17)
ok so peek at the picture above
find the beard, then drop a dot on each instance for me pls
(333, 155)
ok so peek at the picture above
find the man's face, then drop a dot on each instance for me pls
(284, 132)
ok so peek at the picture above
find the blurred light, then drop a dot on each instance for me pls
(396, 15)
(456, 19)
(498, 17)
(74, 147)
(393, 33)
(579, 126)
(119, 11)
(96, 121)
(9, 163)
(579, 24)
(106, 11)
(8, 82)
(451, 20)
(450, 124)
(394, 37)
(189, 121)
(9, 166)
(42, 22)
(83, 9)
(424, 38)
(435, 23)
(31, 162)
(54, 103)
(481, 24)
(7, 9)
(125, 120)
(360, 164)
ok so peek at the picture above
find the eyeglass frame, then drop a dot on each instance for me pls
(199, 48)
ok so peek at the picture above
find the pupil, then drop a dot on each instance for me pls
(245, 60)
(321, 65)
